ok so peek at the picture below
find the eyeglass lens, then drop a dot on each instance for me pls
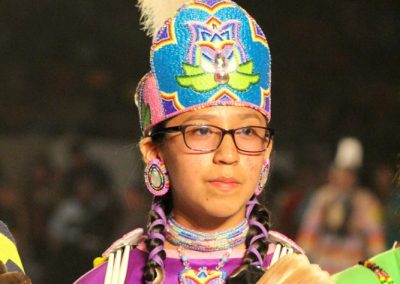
(208, 138)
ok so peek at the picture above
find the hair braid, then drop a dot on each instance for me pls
(256, 243)
(160, 208)
(154, 269)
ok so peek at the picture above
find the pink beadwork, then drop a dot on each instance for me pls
(151, 98)
(263, 177)
(156, 177)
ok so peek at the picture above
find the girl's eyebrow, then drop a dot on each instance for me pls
(200, 117)
(249, 115)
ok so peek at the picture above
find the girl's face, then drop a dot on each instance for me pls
(210, 190)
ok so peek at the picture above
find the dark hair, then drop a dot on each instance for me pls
(157, 136)
(161, 207)
(154, 268)
(256, 244)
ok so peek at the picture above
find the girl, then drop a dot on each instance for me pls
(205, 116)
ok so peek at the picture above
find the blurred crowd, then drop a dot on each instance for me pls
(62, 220)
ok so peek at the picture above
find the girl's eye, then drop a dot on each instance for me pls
(202, 130)
(247, 131)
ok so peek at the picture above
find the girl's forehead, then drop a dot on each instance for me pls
(220, 113)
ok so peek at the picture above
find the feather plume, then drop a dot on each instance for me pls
(154, 13)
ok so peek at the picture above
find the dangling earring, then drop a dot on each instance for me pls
(156, 177)
(263, 178)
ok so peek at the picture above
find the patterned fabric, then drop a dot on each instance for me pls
(173, 263)
(211, 53)
(173, 266)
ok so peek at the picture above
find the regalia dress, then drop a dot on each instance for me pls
(279, 246)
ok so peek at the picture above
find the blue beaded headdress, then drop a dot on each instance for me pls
(211, 53)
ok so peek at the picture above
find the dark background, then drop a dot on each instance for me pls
(73, 66)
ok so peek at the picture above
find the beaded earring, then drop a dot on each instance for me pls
(156, 177)
(263, 178)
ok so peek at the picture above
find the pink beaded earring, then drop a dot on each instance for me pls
(156, 177)
(263, 178)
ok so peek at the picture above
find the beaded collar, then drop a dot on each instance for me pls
(205, 242)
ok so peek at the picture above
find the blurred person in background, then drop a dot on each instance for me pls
(389, 195)
(82, 165)
(292, 194)
(135, 204)
(78, 229)
(385, 267)
(42, 194)
(343, 222)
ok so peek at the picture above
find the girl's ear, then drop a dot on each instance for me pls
(148, 149)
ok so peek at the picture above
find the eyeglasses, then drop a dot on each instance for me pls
(207, 138)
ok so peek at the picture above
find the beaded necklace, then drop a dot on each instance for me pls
(203, 275)
(206, 242)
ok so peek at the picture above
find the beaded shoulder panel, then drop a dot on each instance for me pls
(131, 238)
(280, 245)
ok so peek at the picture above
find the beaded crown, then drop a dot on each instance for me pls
(211, 53)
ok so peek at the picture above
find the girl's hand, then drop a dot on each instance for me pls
(295, 269)
(14, 278)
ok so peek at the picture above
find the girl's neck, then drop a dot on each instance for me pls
(207, 224)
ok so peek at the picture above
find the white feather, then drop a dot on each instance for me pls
(154, 13)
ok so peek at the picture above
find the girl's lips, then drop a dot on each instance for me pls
(224, 183)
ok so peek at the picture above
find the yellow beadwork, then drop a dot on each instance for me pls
(99, 261)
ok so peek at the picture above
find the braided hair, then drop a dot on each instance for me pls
(256, 244)
(160, 208)
(154, 268)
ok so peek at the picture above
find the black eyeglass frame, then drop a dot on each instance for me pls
(181, 128)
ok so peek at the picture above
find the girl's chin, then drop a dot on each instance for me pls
(225, 211)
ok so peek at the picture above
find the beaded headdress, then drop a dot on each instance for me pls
(208, 53)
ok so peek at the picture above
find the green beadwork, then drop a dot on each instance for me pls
(201, 82)
(145, 114)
